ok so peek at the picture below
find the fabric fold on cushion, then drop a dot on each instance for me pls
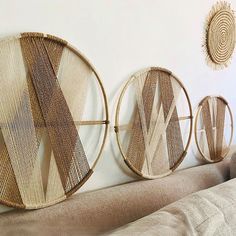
(208, 212)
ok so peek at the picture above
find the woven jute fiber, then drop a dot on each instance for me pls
(211, 128)
(44, 83)
(152, 143)
(220, 35)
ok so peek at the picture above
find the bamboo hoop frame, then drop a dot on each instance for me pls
(118, 127)
(104, 122)
(196, 128)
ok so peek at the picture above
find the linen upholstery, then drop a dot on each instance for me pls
(233, 166)
(99, 211)
(207, 212)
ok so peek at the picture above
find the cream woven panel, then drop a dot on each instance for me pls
(220, 35)
(152, 143)
(43, 92)
(213, 134)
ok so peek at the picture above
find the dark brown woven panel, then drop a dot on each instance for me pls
(220, 123)
(206, 116)
(173, 131)
(9, 188)
(67, 147)
(135, 152)
(54, 50)
(149, 91)
(136, 149)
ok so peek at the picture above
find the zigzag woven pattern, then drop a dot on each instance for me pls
(210, 128)
(156, 145)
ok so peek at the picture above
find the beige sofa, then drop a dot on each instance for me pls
(102, 211)
(208, 212)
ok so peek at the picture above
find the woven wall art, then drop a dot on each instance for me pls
(152, 128)
(43, 87)
(213, 128)
(220, 35)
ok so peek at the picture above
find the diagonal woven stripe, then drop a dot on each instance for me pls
(73, 76)
(64, 138)
(7, 177)
(18, 134)
(160, 128)
(207, 121)
(141, 108)
(220, 122)
(173, 131)
(136, 148)
(54, 50)
(159, 153)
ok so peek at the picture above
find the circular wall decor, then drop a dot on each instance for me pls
(220, 35)
(213, 128)
(153, 122)
(46, 91)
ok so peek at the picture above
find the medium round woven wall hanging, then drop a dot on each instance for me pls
(220, 35)
(153, 122)
(213, 128)
(53, 118)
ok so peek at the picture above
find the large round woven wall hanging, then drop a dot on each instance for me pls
(220, 35)
(153, 122)
(53, 118)
(213, 128)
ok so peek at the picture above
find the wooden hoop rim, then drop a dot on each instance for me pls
(90, 123)
(116, 127)
(197, 122)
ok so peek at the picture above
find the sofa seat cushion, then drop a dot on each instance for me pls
(208, 212)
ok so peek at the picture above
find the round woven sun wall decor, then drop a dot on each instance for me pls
(220, 35)
(213, 128)
(153, 122)
(53, 119)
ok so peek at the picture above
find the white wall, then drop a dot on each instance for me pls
(120, 37)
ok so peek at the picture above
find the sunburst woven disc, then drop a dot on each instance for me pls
(153, 122)
(50, 138)
(220, 39)
(213, 128)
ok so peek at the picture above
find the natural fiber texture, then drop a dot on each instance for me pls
(67, 147)
(155, 146)
(43, 92)
(211, 141)
(136, 149)
(220, 35)
(173, 132)
(208, 127)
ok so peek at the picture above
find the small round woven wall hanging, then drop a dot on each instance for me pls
(50, 138)
(220, 35)
(213, 128)
(153, 122)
